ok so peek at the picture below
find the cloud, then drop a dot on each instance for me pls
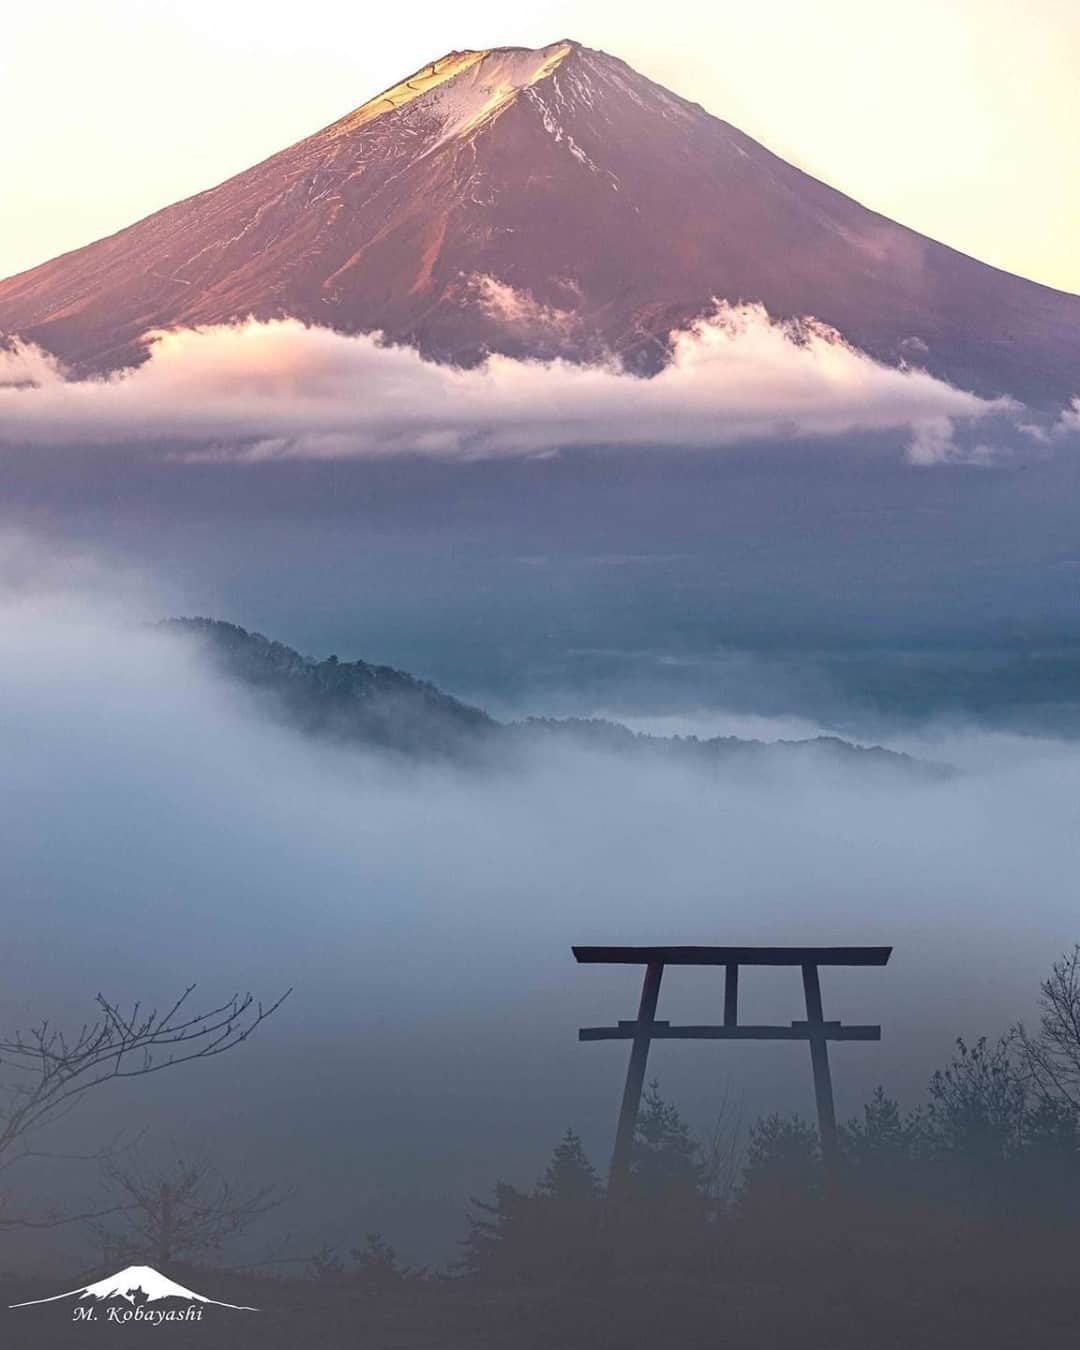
(518, 310)
(156, 830)
(933, 441)
(279, 390)
(1069, 422)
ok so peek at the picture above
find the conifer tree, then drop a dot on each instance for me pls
(570, 1177)
(666, 1158)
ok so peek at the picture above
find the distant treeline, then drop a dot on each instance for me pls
(994, 1146)
(953, 1224)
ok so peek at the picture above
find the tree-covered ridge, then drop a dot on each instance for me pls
(355, 702)
(349, 701)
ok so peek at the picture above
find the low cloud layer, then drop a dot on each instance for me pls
(260, 391)
(155, 831)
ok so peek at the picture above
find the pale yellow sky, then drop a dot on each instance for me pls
(957, 117)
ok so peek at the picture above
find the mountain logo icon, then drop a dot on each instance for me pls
(136, 1286)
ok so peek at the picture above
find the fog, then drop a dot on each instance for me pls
(157, 831)
(844, 585)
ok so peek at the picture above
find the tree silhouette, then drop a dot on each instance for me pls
(1052, 1053)
(665, 1159)
(497, 1242)
(46, 1071)
(550, 1232)
(783, 1166)
(182, 1209)
(570, 1177)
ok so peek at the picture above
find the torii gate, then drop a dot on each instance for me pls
(646, 1029)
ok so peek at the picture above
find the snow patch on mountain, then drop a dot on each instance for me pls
(461, 91)
(558, 132)
(486, 89)
(418, 84)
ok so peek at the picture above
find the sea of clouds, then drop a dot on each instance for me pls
(156, 831)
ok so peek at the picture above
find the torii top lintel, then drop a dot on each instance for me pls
(733, 956)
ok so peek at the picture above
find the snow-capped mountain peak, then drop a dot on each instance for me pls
(461, 90)
(539, 204)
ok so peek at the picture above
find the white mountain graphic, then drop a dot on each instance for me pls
(134, 1280)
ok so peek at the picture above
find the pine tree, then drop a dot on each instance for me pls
(496, 1232)
(549, 1233)
(783, 1165)
(570, 1177)
(665, 1158)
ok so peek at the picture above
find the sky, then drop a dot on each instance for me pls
(956, 117)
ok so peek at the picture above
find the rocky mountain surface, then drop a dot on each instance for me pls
(543, 203)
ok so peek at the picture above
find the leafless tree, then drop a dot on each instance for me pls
(1051, 1054)
(723, 1156)
(182, 1209)
(46, 1071)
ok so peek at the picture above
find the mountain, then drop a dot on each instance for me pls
(354, 703)
(342, 701)
(130, 1282)
(541, 203)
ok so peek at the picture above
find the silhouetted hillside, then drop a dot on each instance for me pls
(378, 706)
(345, 701)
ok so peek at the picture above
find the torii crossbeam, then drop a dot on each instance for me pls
(645, 1028)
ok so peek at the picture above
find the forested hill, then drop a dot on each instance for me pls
(354, 702)
(347, 701)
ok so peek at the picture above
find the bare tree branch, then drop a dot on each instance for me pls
(45, 1071)
(1052, 1053)
(184, 1207)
